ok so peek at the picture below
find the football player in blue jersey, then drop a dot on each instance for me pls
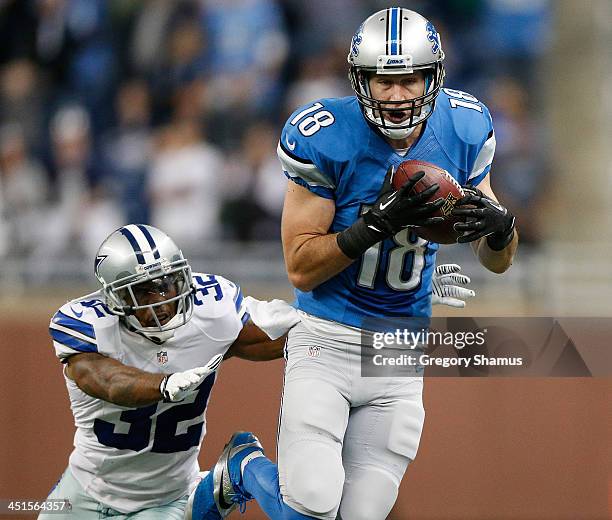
(346, 441)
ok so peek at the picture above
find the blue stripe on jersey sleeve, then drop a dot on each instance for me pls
(326, 193)
(72, 342)
(72, 323)
(238, 298)
(246, 317)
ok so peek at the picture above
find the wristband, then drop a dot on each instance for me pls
(357, 239)
(163, 391)
(498, 241)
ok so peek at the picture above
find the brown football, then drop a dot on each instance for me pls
(450, 191)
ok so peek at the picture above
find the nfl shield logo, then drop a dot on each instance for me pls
(314, 351)
(162, 357)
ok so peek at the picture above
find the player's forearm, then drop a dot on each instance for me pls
(262, 351)
(314, 260)
(254, 344)
(134, 388)
(112, 381)
(496, 261)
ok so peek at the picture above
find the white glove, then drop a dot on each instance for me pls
(444, 288)
(275, 318)
(175, 387)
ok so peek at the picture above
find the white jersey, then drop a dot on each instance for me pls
(135, 458)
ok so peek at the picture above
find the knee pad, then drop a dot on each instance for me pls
(406, 429)
(370, 495)
(314, 479)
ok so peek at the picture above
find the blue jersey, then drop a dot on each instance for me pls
(330, 149)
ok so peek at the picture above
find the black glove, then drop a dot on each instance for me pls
(489, 218)
(393, 211)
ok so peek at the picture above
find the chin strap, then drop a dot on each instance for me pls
(406, 132)
(160, 338)
(155, 339)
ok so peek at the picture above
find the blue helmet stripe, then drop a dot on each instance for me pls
(394, 17)
(72, 342)
(134, 243)
(72, 323)
(150, 240)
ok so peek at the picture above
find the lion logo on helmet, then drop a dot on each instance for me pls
(357, 39)
(433, 37)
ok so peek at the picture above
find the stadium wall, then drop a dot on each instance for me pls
(491, 449)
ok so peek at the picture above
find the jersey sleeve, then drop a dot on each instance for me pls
(485, 153)
(235, 292)
(73, 331)
(474, 125)
(302, 148)
(465, 130)
(219, 303)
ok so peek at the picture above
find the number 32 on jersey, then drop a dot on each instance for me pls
(132, 429)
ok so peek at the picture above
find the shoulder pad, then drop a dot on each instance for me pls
(316, 139)
(464, 128)
(216, 296)
(79, 324)
(469, 118)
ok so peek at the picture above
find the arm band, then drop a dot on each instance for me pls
(357, 239)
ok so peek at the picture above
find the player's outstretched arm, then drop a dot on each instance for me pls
(254, 344)
(448, 286)
(110, 380)
(490, 229)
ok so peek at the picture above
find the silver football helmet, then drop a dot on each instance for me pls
(140, 268)
(396, 41)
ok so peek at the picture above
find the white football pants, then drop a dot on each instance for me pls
(84, 507)
(344, 441)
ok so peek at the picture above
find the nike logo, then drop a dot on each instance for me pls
(497, 206)
(224, 503)
(389, 201)
(290, 145)
(77, 314)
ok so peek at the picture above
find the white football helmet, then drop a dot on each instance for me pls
(396, 41)
(137, 261)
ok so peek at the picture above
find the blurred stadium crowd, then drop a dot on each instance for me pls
(168, 112)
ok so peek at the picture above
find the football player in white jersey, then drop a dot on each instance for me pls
(141, 356)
